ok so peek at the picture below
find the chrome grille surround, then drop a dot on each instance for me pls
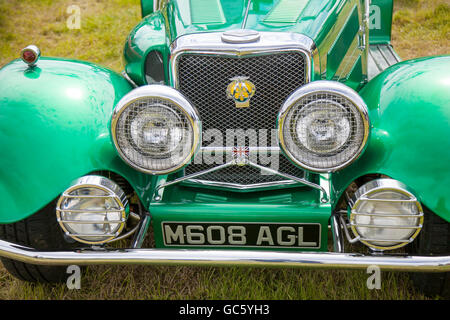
(276, 48)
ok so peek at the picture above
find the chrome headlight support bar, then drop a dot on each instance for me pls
(252, 151)
(324, 195)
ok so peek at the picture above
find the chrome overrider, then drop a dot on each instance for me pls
(230, 258)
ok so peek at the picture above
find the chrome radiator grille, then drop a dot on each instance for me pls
(204, 80)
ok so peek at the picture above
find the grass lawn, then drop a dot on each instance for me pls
(421, 28)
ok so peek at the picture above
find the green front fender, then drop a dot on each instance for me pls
(409, 107)
(53, 129)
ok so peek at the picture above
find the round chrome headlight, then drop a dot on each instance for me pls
(385, 215)
(323, 126)
(155, 129)
(92, 210)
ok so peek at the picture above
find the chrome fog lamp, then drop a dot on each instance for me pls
(323, 126)
(155, 129)
(92, 210)
(385, 215)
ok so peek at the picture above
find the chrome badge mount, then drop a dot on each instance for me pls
(240, 36)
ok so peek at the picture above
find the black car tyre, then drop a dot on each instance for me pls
(434, 239)
(42, 232)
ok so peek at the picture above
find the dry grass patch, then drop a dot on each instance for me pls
(105, 25)
(421, 28)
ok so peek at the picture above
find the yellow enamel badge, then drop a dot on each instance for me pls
(241, 90)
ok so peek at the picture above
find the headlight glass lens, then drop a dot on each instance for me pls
(323, 131)
(156, 135)
(157, 130)
(386, 218)
(322, 127)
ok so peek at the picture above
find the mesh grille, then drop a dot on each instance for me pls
(204, 80)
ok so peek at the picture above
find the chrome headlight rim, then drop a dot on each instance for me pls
(385, 184)
(318, 87)
(172, 96)
(97, 182)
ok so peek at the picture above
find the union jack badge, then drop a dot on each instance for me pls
(241, 155)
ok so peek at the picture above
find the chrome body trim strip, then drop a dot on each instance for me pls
(158, 195)
(231, 258)
(242, 186)
(338, 238)
(127, 77)
(380, 57)
(247, 11)
(251, 150)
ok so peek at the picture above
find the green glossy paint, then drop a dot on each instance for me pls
(148, 35)
(332, 24)
(287, 11)
(54, 118)
(354, 78)
(146, 7)
(380, 22)
(53, 129)
(342, 43)
(409, 107)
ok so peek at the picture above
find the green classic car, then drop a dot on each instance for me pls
(278, 133)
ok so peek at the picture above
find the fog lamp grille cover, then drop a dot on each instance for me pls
(385, 215)
(92, 210)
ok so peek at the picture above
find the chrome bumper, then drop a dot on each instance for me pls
(225, 258)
